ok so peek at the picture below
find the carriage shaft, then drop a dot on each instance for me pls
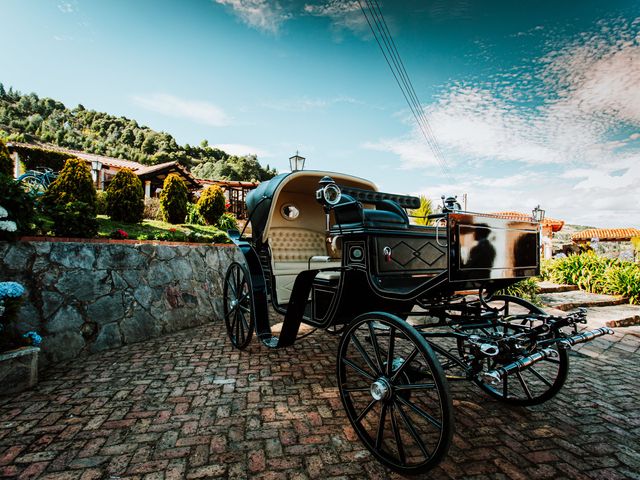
(584, 337)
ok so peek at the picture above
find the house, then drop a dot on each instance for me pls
(611, 242)
(549, 226)
(103, 169)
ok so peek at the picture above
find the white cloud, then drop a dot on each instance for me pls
(344, 15)
(68, 7)
(305, 104)
(263, 15)
(171, 106)
(240, 150)
(572, 119)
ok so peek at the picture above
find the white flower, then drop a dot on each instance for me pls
(8, 225)
(11, 290)
(3, 213)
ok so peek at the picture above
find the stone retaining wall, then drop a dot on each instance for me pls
(87, 297)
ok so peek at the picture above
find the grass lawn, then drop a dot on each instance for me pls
(158, 230)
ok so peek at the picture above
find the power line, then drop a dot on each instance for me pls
(396, 65)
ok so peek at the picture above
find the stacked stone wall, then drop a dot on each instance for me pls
(87, 297)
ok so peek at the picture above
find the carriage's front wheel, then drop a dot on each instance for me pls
(239, 312)
(394, 393)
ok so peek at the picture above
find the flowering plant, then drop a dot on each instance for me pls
(119, 234)
(10, 296)
(6, 225)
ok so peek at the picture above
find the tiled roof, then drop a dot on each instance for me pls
(227, 183)
(606, 234)
(109, 161)
(556, 225)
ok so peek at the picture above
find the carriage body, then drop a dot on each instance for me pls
(416, 306)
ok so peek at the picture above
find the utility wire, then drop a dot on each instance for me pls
(389, 50)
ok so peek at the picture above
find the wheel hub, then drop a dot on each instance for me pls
(380, 389)
(234, 303)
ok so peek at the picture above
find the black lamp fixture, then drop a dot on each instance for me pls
(537, 214)
(296, 162)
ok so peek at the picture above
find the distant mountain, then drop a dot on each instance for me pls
(26, 118)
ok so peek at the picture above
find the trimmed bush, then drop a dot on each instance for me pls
(101, 202)
(174, 199)
(6, 163)
(19, 206)
(125, 197)
(74, 184)
(71, 201)
(152, 208)
(74, 219)
(211, 204)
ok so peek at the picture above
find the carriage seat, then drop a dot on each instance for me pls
(294, 250)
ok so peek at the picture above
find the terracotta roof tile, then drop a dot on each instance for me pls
(606, 234)
(556, 225)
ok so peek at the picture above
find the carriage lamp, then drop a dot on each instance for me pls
(329, 194)
(296, 162)
(537, 214)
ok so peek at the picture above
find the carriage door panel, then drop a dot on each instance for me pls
(413, 255)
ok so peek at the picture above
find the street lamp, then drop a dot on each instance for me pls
(537, 214)
(296, 162)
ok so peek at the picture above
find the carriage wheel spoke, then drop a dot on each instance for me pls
(406, 362)
(505, 387)
(376, 347)
(358, 369)
(366, 410)
(380, 434)
(232, 287)
(415, 386)
(540, 376)
(356, 389)
(412, 431)
(420, 412)
(365, 355)
(524, 385)
(392, 344)
(396, 434)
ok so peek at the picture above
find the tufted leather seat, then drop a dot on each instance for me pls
(291, 250)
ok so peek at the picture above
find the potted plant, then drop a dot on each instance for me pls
(18, 354)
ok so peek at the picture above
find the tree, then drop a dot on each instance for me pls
(204, 143)
(174, 199)
(125, 197)
(211, 204)
(425, 209)
(3, 92)
(6, 163)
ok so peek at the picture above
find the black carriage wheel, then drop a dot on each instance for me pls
(394, 393)
(32, 184)
(239, 312)
(533, 385)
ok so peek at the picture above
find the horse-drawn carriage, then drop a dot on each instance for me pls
(416, 306)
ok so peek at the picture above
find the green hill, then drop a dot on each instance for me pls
(27, 117)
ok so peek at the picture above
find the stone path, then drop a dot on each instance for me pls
(188, 406)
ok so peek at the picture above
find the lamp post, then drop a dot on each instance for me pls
(537, 214)
(296, 162)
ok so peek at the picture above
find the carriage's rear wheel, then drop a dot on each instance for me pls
(532, 385)
(239, 312)
(394, 392)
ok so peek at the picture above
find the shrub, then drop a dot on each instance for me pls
(193, 215)
(6, 163)
(152, 208)
(74, 184)
(101, 202)
(420, 214)
(527, 289)
(74, 219)
(211, 204)
(19, 206)
(227, 221)
(174, 199)
(125, 197)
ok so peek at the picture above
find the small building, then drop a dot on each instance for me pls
(610, 242)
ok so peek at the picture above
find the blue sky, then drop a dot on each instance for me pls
(531, 102)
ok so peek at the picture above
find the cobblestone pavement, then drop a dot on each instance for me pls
(188, 406)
